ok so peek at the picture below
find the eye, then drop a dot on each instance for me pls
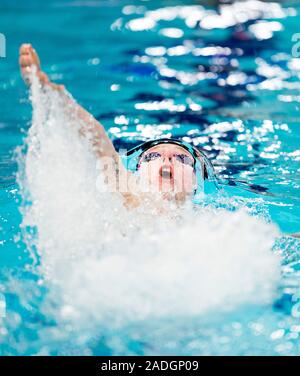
(151, 156)
(184, 159)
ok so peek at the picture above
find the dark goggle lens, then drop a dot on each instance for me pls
(151, 157)
(182, 158)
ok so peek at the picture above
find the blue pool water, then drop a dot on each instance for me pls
(225, 79)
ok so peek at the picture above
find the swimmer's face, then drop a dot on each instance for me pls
(168, 168)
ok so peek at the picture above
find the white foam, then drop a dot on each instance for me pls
(104, 264)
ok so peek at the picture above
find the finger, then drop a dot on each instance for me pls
(35, 57)
(25, 49)
(25, 60)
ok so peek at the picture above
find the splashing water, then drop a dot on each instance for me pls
(106, 268)
(193, 280)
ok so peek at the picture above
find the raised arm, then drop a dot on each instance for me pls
(101, 143)
(89, 126)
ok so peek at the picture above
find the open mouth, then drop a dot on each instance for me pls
(166, 172)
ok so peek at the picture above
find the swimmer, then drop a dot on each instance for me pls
(172, 168)
(167, 166)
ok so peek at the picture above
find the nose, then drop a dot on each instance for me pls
(167, 160)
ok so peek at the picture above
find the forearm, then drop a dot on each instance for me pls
(113, 169)
(90, 128)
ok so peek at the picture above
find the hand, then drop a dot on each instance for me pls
(27, 60)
